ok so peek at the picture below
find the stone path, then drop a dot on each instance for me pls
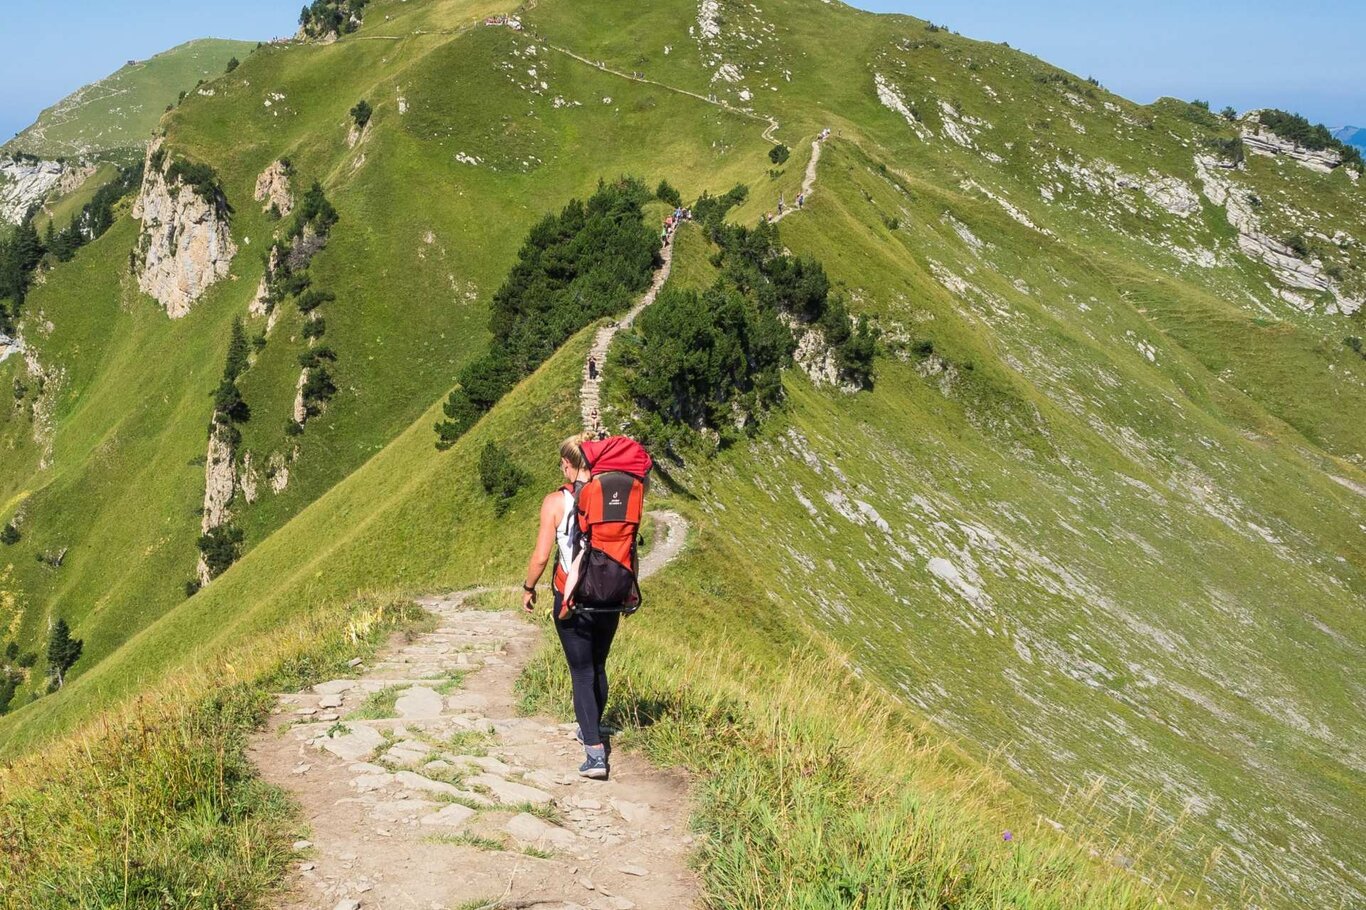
(589, 399)
(423, 789)
(808, 181)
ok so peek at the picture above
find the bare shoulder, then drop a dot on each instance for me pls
(552, 505)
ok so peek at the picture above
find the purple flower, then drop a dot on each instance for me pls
(1007, 837)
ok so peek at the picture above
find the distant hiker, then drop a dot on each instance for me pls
(592, 368)
(590, 526)
(801, 199)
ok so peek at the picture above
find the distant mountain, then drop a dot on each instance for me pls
(1352, 135)
(119, 111)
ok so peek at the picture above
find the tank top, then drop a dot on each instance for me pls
(564, 536)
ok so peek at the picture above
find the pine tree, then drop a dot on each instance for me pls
(62, 652)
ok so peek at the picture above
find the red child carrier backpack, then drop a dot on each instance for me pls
(602, 576)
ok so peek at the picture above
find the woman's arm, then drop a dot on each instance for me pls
(551, 508)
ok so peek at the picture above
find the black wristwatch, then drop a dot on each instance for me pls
(530, 589)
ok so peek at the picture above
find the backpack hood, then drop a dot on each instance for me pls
(617, 453)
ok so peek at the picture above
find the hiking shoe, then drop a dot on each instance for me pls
(594, 766)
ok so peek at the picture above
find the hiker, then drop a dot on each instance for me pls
(592, 368)
(585, 525)
(801, 199)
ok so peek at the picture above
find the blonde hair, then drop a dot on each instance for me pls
(571, 450)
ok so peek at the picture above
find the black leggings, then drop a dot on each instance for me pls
(586, 639)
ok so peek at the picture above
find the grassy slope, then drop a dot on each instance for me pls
(117, 113)
(1113, 514)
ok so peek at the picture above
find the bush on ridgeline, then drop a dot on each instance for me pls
(199, 177)
(666, 192)
(360, 114)
(709, 210)
(233, 63)
(9, 535)
(705, 359)
(779, 154)
(713, 361)
(500, 476)
(585, 263)
(1316, 137)
(331, 17)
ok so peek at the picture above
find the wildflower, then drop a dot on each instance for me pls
(1007, 837)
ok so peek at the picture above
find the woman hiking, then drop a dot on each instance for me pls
(585, 637)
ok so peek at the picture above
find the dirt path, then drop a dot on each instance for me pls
(808, 181)
(445, 798)
(589, 400)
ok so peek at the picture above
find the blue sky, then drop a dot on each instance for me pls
(1308, 56)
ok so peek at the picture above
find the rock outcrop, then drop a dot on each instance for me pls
(220, 481)
(1290, 270)
(1261, 141)
(25, 183)
(9, 346)
(272, 188)
(185, 245)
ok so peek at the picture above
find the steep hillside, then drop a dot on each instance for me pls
(1099, 518)
(117, 113)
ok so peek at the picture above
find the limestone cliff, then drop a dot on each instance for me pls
(272, 188)
(1261, 141)
(185, 244)
(26, 182)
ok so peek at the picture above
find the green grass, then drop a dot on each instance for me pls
(160, 805)
(377, 705)
(465, 839)
(117, 113)
(59, 212)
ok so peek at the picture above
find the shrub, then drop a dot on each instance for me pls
(709, 209)
(233, 63)
(315, 327)
(318, 390)
(500, 476)
(310, 301)
(710, 360)
(9, 535)
(779, 154)
(665, 192)
(361, 113)
(201, 178)
(220, 547)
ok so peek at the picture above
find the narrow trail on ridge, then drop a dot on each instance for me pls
(808, 181)
(771, 122)
(589, 399)
(423, 788)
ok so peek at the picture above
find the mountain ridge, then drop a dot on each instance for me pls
(1128, 383)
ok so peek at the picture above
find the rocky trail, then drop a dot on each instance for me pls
(423, 788)
(589, 399)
